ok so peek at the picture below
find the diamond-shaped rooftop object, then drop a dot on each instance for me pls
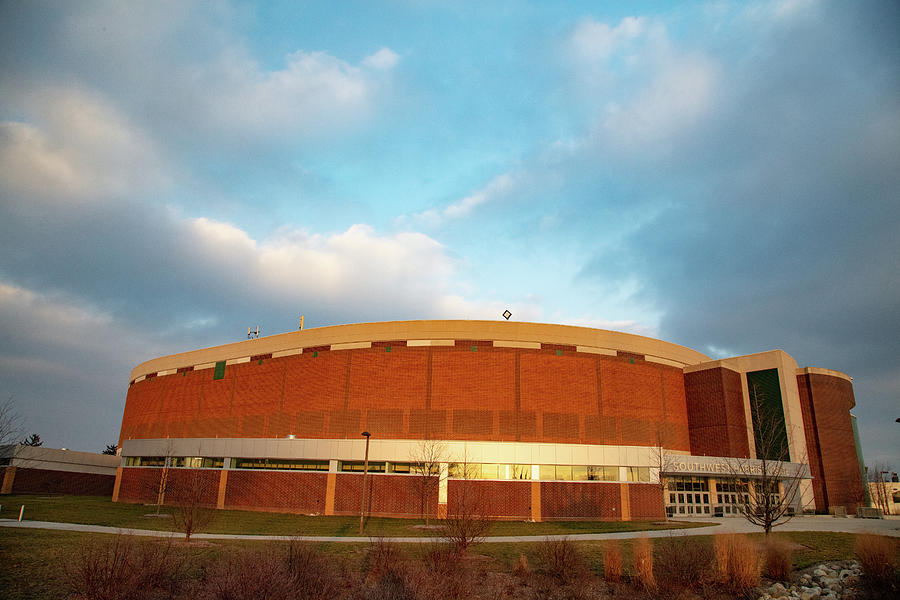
(507, 314)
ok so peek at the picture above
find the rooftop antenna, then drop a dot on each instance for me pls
(301, 322)
(251, 333)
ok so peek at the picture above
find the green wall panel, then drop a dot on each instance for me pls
(769, 430)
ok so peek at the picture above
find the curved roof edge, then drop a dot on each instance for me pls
(585, 338)
(820, 371)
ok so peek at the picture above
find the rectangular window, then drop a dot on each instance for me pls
(493, 471)
(197, 462)
(145, 461)
(277, 463)
(639, 474)
(520, 471)
(359, 466)
(564, 472)
(219, 371)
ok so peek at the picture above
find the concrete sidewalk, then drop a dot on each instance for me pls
(889, 526)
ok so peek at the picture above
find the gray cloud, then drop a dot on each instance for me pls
(784, 231)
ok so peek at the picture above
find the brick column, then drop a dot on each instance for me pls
(9, 476)
(223, 484)
(536, 501)
(117, 484)
(330, 483)
(625, 495)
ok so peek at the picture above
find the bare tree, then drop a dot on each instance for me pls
(426, 459)
(880, 495)
(663, 463)
(774, 495)
(190, 489)
(468, 519)
(158, 487)
(10, 422)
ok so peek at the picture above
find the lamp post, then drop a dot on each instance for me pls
(362, 509)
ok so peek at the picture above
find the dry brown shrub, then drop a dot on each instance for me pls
(443, 574)
(684, 563)
(315, 577)
(642, 556)
(381, 557)
(737, 562)
(123, 567)
(247, 574)
(521, 568)
(561, 559)
(612, 561)
(468, 520)
(778, 560)
(877, 555)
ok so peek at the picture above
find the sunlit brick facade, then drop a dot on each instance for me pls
(553, 422)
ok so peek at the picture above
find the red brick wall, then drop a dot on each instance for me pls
(183, 484)
(43, 481)
(139, 484)
(646, 501)
(716, 417)
(830, 401)
(572, 500)
(387, 495)
(814, 454)
(499, 394)
(505, 499)
(276, 491)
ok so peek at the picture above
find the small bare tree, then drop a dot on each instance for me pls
(426, 459)
(663, 463)
(468, 519)
(776, 481)
(879, 489)
(189, 490)
(158, 487)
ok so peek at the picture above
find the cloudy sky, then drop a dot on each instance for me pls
(720, 175)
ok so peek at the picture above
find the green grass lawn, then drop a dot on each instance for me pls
(93, 510)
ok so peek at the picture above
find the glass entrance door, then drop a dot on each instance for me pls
(688, 496)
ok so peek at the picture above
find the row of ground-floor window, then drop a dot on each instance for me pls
(708, 496)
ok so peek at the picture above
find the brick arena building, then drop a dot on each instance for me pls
(543, 421)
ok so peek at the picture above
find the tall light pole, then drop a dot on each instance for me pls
(362, 509)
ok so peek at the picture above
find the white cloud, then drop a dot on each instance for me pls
(64, 329)
(77, 147)
(679, 95)
(354, 269)
(641, 88)
(496, 189)
(313, 90)
(383, 59)
(592, 40)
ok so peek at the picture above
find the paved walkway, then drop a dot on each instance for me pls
(889, 526)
